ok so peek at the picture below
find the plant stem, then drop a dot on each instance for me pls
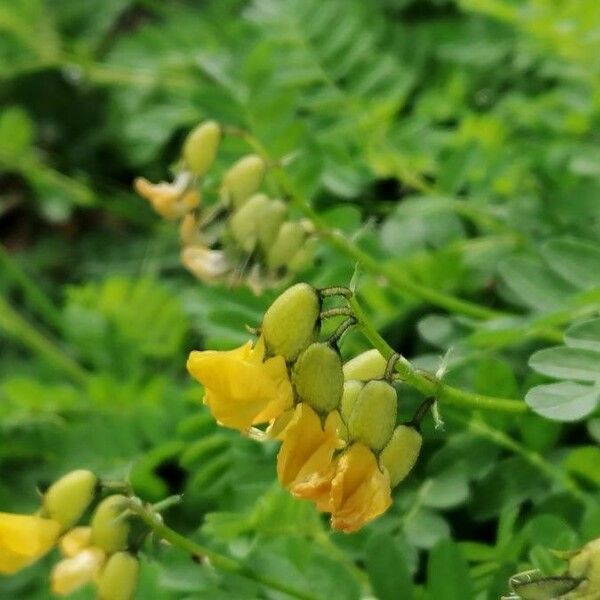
(428, 384)
(37, 299)
(218, 560)
(18, 327)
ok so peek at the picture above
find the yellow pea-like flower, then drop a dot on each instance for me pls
(71, 574)
(74, 541)
(68, 498)
(205, 264)
(360, 491)
(24, 539)
(241, 388)
(119, 578)
(305, 461)
(169, 200)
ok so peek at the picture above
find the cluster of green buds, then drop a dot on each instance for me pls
(97, 553)
(241, 235)
(581, 580)
(341, 445)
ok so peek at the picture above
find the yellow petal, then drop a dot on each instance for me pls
(75, 541)
(24, 539)
(360, 492)
(71, 574)
(241, 390)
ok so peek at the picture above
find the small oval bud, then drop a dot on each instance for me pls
(270, 223)
(366, 366)
(110, 529)
(373, 415)
(243, 180)
(401, 453)
(317, 377)
(245, 221)
(289, 241)
(67, 498)
(119, 577)
(291, 322)
(350, 394)
(304, 257)
(200, 147)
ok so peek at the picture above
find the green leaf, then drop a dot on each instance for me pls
(16, 131)
(575, 261)
(563, 401)
(564, 362)
(447, 573)
(584, 335)
(584, 462)
(387, 569)
(425, 528)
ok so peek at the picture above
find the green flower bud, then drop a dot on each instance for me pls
(366, 366)
(200, 147)
(373, 415)
(401, 452)
(317, 377)
(119, 577)
(305, 256)
(350, 394)
(245, 221)
(270, 223)
(292, 321)
(67, 499)
(110, 529)
(243, 180)
(288, 242)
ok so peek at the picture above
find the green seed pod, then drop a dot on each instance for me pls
(401, 453)
(245, 221)
(365, 366)
(67, 498)
(317, 377)
(289, 241)
(350, 394)
(373, 415)
(243, 180)
(200, 147)
(119, 577)
(110, 529)
(292, 321)
(270, 223)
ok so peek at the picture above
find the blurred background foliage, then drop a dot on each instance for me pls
(454, 141)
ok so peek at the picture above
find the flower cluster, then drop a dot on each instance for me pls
(96, 553)
(581, 581)
(242, 234)
(340, 446)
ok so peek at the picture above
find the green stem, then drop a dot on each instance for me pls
(18, 327)
(427, 384)
(218, 560)
(36, 298)
(552, 472)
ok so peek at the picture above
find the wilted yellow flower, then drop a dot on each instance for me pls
(24, 539)
(205, 264)
(360, 492)
(169, 200)
(73, 573)
(241, 388)
(305, 461)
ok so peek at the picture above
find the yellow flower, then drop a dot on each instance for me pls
(73, 542)
(169, 200)
(205, 264)
(24, 539)
(360, 492)
(241, 388)
(73, 573)
(305, 461)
